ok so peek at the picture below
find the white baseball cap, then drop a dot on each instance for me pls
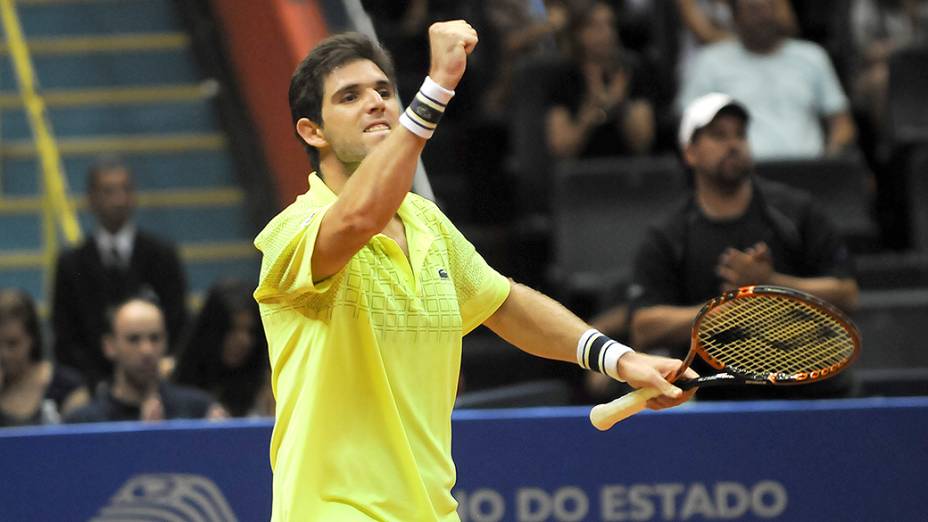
(701, 111)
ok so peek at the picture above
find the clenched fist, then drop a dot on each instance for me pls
(450, 43)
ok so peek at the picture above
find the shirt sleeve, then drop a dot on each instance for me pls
(699, 79)
(826, 253)
(287, 245)
(480, 289)
(831, 97)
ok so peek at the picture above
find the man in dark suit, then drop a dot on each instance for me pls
(116, 261)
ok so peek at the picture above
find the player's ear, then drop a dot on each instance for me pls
(311, 132)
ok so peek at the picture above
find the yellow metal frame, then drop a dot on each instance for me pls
(56, 208)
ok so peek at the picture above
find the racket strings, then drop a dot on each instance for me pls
(772, 334)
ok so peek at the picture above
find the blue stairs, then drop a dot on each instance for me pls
(119, 77)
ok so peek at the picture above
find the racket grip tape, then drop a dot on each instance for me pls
(604, 416)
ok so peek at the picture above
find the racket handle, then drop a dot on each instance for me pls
(604, 416)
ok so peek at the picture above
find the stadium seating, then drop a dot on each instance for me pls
(917, 191)
(890, 323)
(892, 382)
(840, 185)
(120, 77)
(908, 83)
(889, 270)
(600, 211)
(530, 163)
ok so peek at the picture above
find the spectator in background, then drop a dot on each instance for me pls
(788, 85)
(117, 260)
(135, 343)
(225, 353)
(32, 389)
(402, 27)
(519, 32)
(879, 28)
(733, 230)
(599, 107)
(707, 22)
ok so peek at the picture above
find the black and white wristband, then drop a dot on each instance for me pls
(599, 353)
(425, 110)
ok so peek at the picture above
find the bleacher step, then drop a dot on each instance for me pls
(83, 17)
(127, 95)
(120, 144)
(109, 43)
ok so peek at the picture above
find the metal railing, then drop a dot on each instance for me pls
(57, 210)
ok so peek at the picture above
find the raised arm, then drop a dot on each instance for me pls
(370, 197)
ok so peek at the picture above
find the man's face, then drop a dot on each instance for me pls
(720, 153)
(137, 343)
(359, 108)
(112, 198)
(757, 24)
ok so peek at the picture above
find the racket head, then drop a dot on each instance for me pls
(773, 335)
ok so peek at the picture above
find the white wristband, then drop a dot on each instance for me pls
(599, 353)
(415, 128)
(583, 347)
(425, 109)
(614, 352)
(436, 92)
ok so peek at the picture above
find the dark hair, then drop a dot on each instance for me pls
(308, 81)
(17, 305)
(103, 164)
(200, 363)
(579, 14)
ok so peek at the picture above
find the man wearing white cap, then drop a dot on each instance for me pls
(733, 230)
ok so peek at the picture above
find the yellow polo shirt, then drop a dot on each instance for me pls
(365, 364)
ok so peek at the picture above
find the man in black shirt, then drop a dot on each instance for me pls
(135, 344)
(733, 230)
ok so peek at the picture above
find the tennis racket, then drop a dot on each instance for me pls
(766, 335)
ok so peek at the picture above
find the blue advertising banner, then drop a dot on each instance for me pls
(817, 460)
(848, 460)
(173, 471)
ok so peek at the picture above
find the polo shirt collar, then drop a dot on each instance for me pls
(320, 193)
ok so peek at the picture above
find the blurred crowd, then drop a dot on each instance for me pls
(552, 81)
(121, 346)
(567, 79)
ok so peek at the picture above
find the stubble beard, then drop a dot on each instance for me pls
(351, 155)
(140, 380)
(729, 178)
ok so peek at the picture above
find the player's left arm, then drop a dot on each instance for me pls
(539, 325)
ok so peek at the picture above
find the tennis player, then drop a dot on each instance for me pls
(366, 290)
